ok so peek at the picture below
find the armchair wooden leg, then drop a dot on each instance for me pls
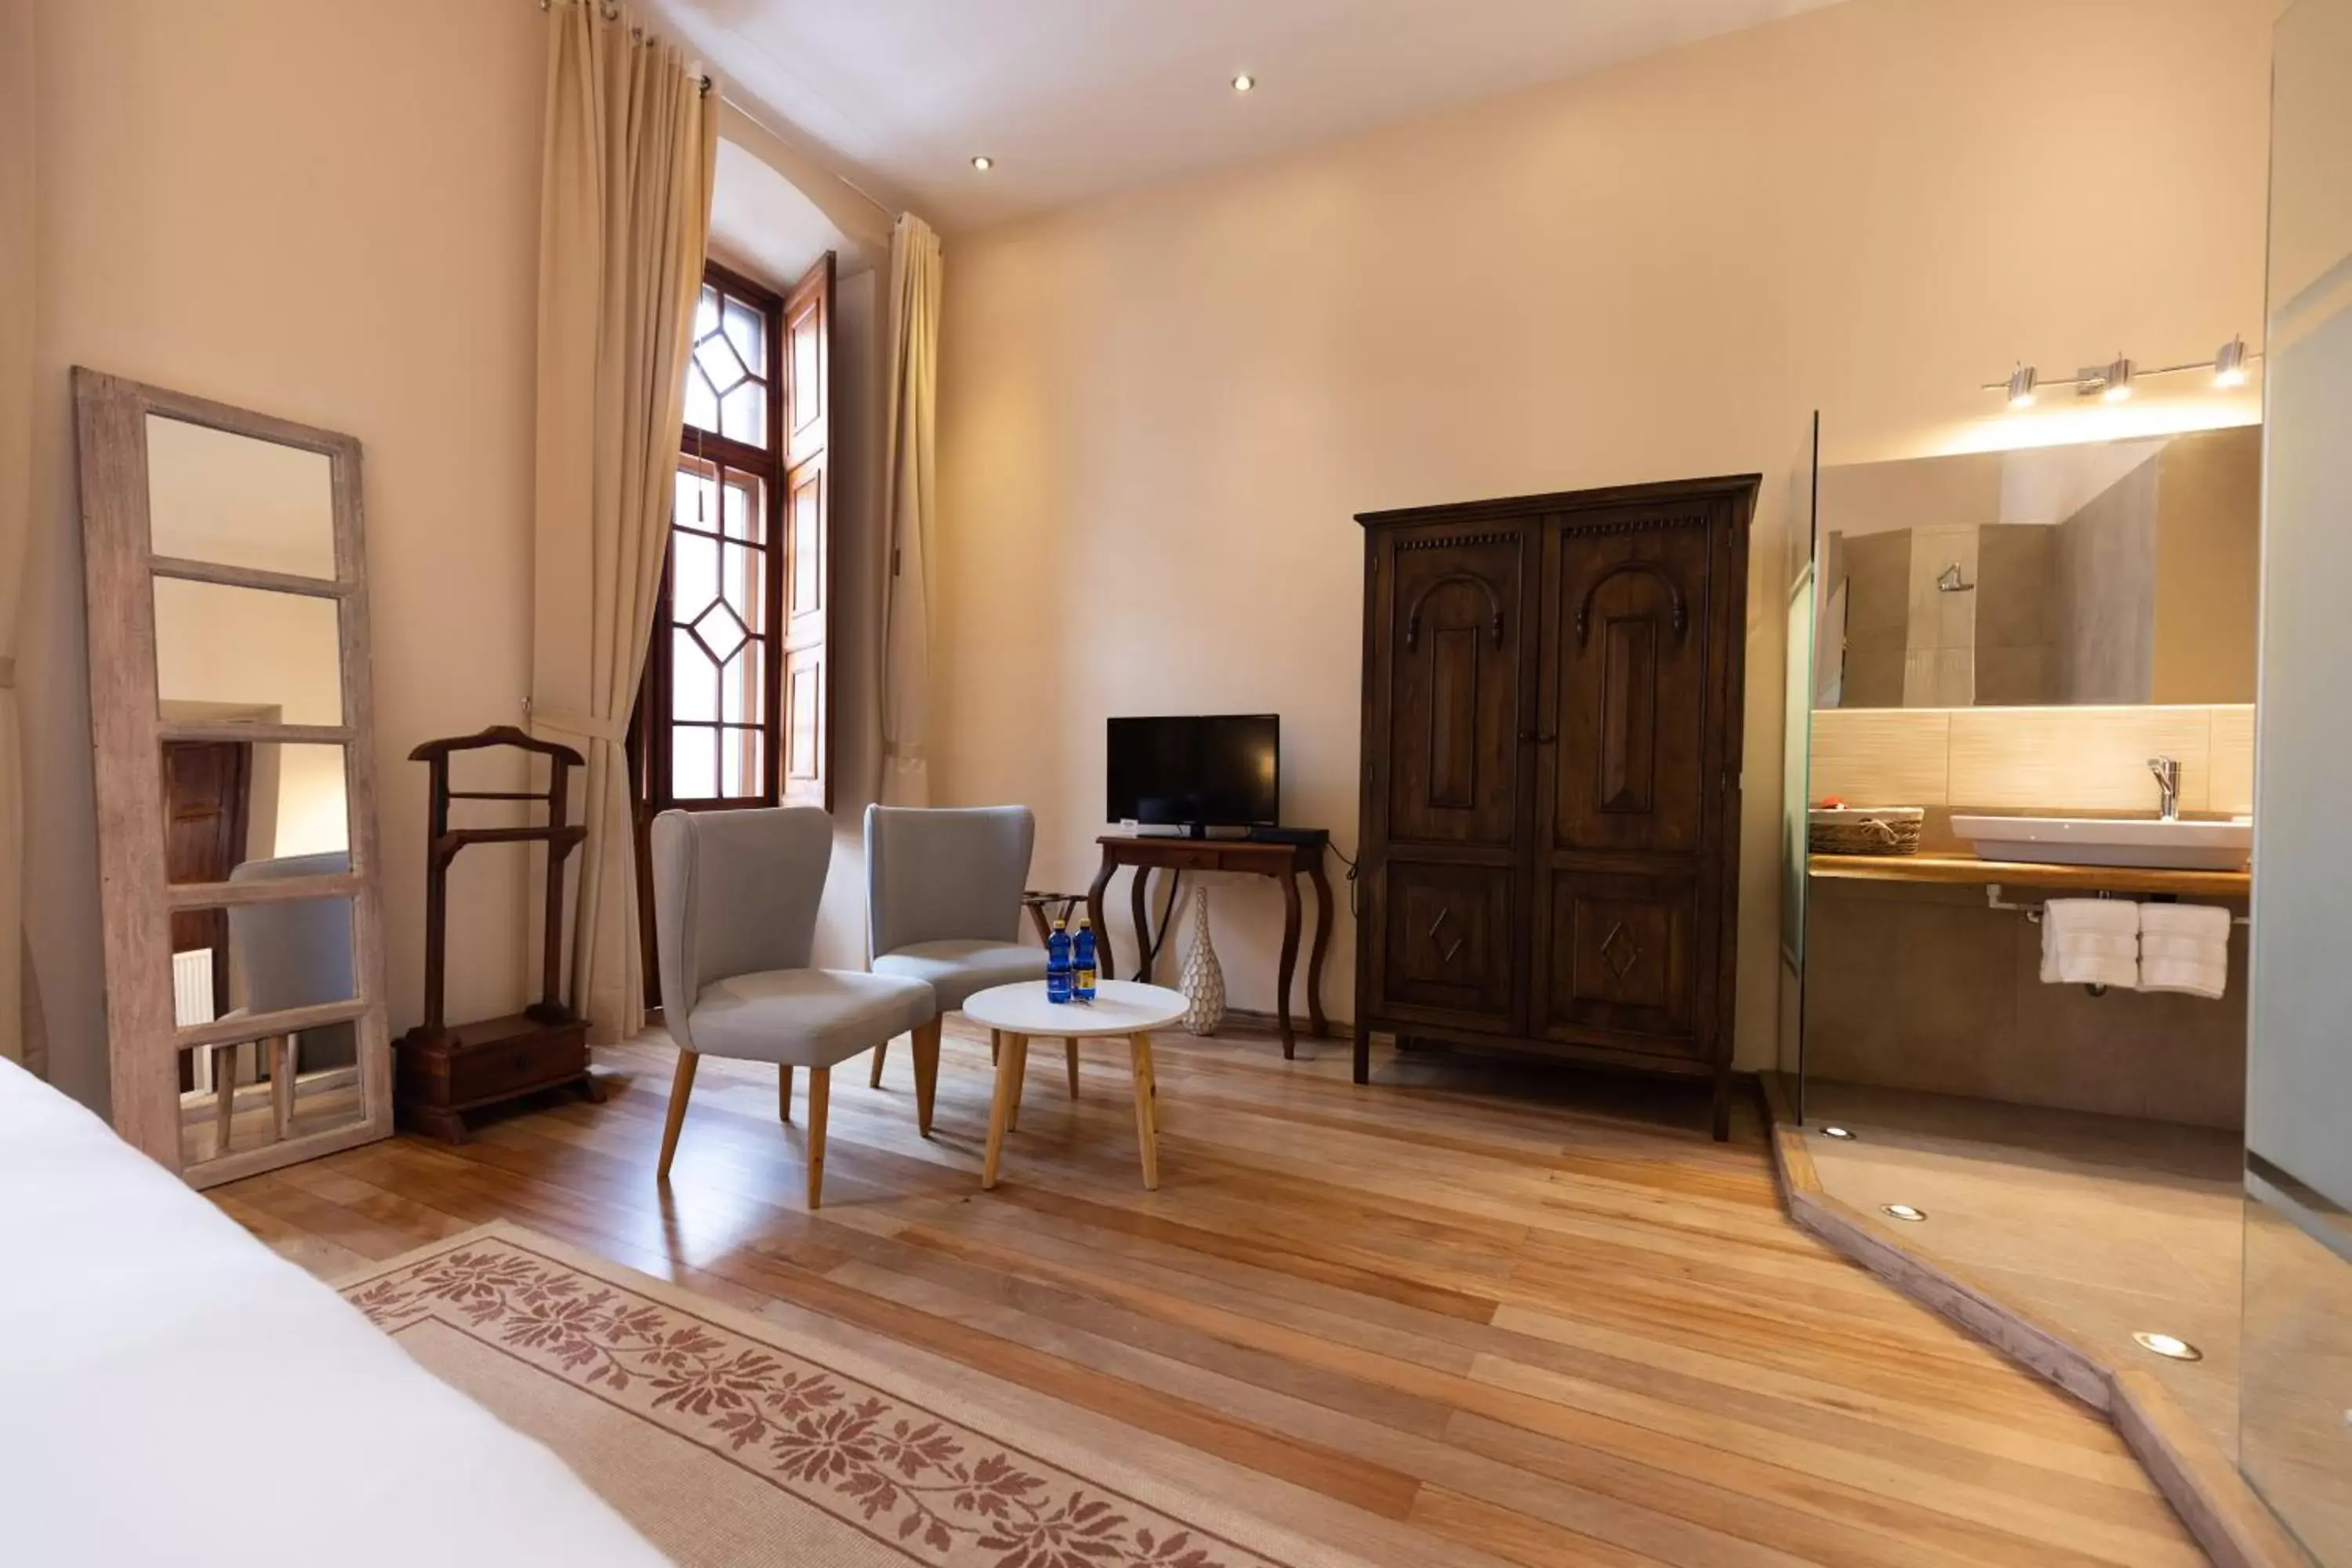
(820, 1097)
(927, 1073)
(224, 1095)
(281, 1084)
(880, 1051)
(1072, 1042)
(784, 1091)
(680, 1088)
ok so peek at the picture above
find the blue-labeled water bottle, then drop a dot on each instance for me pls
(1082, 961)
(1057, 964)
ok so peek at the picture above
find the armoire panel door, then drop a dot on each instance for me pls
(1453, 671)
(1629, 758)
(1445, 950)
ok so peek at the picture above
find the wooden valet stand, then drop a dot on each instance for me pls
(444, 1073)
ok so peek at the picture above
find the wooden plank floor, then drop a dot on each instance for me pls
(1473, 1314)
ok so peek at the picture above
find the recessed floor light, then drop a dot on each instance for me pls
(1903, 1212)
(2169, 1346)
(1837, 1132)
(1245, 82)
(983, 162)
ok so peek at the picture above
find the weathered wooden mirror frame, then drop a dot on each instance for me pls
(128, 734)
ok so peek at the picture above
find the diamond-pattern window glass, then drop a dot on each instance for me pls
(711, 720)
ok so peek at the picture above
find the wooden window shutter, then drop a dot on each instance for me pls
(806, 730)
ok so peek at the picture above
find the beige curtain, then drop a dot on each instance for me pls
(17, 88)
(624, 209)
(910, 503)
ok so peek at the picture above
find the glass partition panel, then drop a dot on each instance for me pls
(2295, 1413)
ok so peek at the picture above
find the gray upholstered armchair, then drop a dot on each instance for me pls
(735, 902)
(943, 898)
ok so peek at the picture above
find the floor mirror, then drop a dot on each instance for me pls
(232, 722)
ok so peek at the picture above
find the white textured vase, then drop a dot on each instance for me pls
(1204, 980)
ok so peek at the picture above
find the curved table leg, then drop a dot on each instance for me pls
(1289, 964)
(1108, 967)
(1316, 1021)
(1140, 899)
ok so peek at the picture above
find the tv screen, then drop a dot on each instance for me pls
(1219, 770)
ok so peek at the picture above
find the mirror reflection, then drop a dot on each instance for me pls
(2110, 572)
(269, 656)
(230, 805)
(250, 961)
(235, 501)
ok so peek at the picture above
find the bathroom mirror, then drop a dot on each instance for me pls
(2112, 572)
(231, 718)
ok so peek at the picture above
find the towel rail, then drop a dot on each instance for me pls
(2033, 913)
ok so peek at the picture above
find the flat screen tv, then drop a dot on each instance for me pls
(1209, 771)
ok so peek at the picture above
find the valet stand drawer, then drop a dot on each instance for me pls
(484, 1063)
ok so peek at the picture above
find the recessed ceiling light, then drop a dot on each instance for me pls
(1838, 1132)
(1903, 1212)
(1245, 82)
(983, 162)
(2170, 1346)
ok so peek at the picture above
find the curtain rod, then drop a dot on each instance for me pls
(611, 11)
(862, 192)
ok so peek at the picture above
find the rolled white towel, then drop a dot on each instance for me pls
(2185, 948)
(2091, 941)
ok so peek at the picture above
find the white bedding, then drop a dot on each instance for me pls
(173, 1392)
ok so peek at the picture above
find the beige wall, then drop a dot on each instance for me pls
(1160, 411)
(327, 212)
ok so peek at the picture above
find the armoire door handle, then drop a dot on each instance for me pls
(1529, 738)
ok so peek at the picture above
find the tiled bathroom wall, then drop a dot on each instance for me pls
(2035, 759)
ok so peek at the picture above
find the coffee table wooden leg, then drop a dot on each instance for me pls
(1020, 1044)
(1072, 1042)
(1000, 1108)
(1146, 1112)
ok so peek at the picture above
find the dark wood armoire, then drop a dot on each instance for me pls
(1550, 821)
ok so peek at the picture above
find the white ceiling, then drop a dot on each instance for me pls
(1076, 98)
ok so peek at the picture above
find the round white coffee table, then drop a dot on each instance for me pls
(1018, 1012)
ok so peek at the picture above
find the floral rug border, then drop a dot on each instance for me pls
(923, 1483)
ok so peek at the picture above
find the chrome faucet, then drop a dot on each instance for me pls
(2167, 787)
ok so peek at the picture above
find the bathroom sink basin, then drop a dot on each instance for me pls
(2110, 841)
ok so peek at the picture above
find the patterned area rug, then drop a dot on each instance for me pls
(725, 1442)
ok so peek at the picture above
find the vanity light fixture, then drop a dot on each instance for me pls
(2170, 1346)
(1245, 82)
(983, 162)
(2119, 378)
(1903, 1212)
(1839, 1133)
(2229, 363)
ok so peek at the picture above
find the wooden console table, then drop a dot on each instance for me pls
(1286, 863)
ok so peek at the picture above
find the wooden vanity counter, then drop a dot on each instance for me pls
(1968, 871)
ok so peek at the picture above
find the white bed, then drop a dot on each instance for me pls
(172, 1391)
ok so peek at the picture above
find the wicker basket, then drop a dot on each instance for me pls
(1863, 829)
